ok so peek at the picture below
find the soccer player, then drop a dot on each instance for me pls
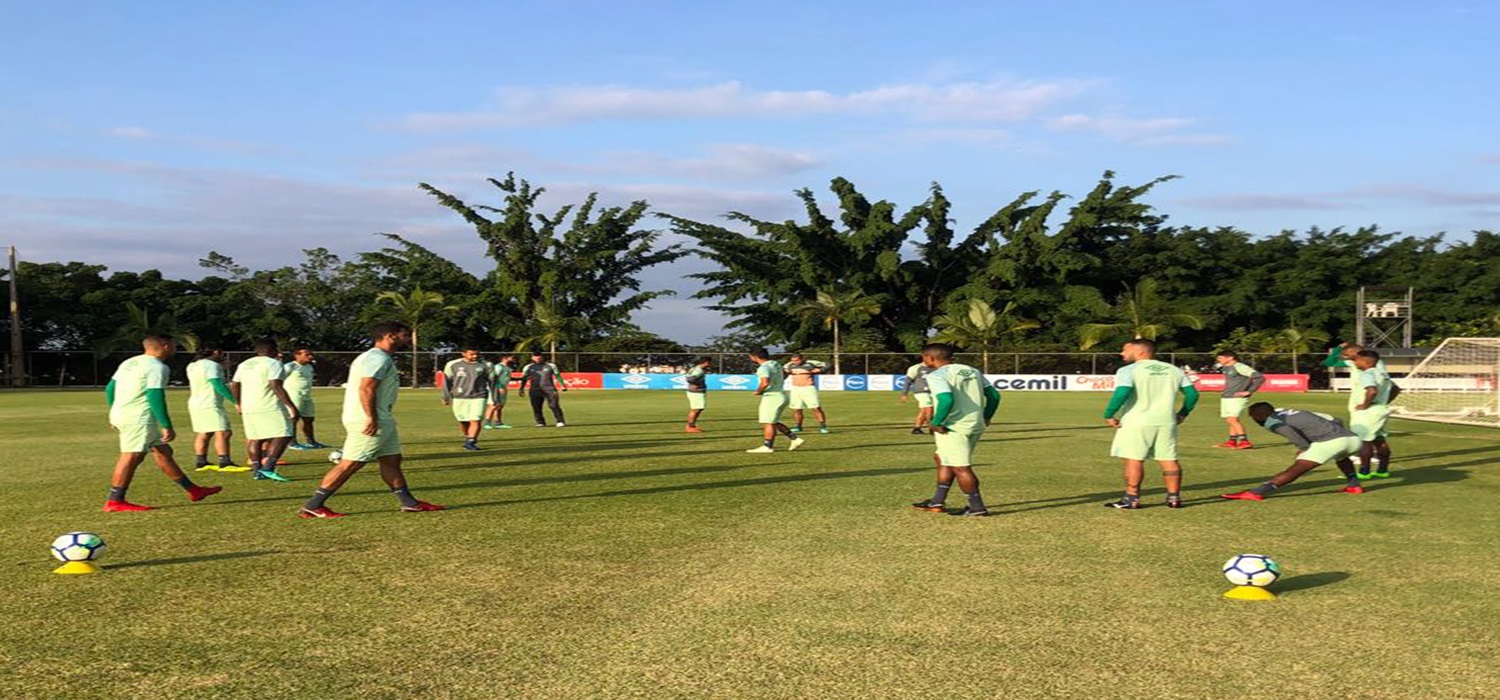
(916, 385)
(1241, 381)
(466, 387)
(499, 390)
(370, 425)
(1343, 356)
(299, 383)
(697, 392)
(137, 401)
(1319, 438)
(804, 394)
(1142, 411)
(1368, 417)
(772, 402)
(206, 409)
(964, 404)
(545, 382)
(265, 408)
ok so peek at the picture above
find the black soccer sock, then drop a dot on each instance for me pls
(1174, 496)
(117, 493)
(1264, 489)
(769, 443)
(200, 460)
(225, 460)
(319, 497)
(976, 502)
(184, 482)
(941, 494)
(822, 424)
(403, 495)
(1382, 464)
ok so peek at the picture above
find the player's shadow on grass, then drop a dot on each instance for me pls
(193, 559)
(1306, 581)
(734, 483)
(1451, 453)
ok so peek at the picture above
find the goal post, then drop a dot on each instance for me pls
(1459, 382)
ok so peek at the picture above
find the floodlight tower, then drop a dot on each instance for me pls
(1383, 317)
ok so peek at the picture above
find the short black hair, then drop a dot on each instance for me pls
(1228, 353)
(1146, 344)
(265, 346)
(760, 353)
(1368, 354)
(382, 329)
(702, 359)
(1261, 409)
(939, 351)
(205, 353)
(158, 340)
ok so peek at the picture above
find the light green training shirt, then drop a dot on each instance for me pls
(255, 376)
(132, 379)
(297, 379)
(1156, 384)
(771, 370)
(379, 365)
(966, 384)
(202, 394)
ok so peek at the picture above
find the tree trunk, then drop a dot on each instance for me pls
(416, 380)
(985, 359)
(836, 347)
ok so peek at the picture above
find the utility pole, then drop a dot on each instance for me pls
(17, 358)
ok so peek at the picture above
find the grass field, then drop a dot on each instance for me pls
(621, 558)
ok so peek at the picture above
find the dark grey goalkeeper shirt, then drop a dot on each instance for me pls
(1303, 428)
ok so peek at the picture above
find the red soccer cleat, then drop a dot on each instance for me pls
(1244, 445)
(123, 507)
(198, 493)
(693, 429)
(321, 512)
(1356, 490)
(422, 507)
(1228, 444)
(1244, 496)
(282, 462)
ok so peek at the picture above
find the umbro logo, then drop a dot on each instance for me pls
(636, 379)
(736, 380)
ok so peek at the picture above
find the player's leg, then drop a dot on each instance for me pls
(797, 418)
(536, 407)
(167, 462)
(271, 451)
(822, 418)
(969, 482)
(1133, 446)
(697, 402)
(316, 507)
(200, 452)
(1171, 476)
(1382, 453)
(390, 471)
(554, 403)
(222, 442)
(1282, 478)
(1236, 431)
(957, 452)
(253, 452)
(119, 482)
(945, 478)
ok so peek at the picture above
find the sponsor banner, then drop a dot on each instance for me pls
(1274, 382)
(830, 382)
(614, 380)
(856, 382)
(884, 382)
(578, 380)
(1457, 384)
(732, 382)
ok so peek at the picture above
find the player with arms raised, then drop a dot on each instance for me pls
(697, 392)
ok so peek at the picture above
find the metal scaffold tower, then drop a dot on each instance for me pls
(1383, 317)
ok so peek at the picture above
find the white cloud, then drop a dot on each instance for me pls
(1351, 198)
(723, 162)
(1159, 131)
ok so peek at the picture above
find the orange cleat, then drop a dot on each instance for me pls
(198, 493)
(1244, 496)
(123, 507)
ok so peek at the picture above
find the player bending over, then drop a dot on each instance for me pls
(1142, 412)
(697, 392)
(1319, 438)
(964, 404)
(137, 400)
(772, 402)
(370, 425)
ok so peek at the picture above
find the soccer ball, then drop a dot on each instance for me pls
(1251, 570)
(78, 546)
(335, 456)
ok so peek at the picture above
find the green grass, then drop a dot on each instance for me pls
(621, 558)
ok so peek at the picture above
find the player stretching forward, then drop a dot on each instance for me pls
(1368, 417)
(545, 382)
(697, 392)
(298, 382)
(137, 401)
(206, 409)
(1145, 396)
(1319, 438)
(804, 394)
(916, 384)
(466, 387)
(494, 416)
(370, 424)
(266, 409)
(772, 402)
(1241, 381)
(965, 403)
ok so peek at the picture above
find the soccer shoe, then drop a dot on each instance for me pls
(299, 446)
(1228, 444)
(232, 468)
(198, 493)
(693, 429)
(1244, 445)
(968, 512)
(918, 431)
(319, 446)
(541, 425)
(472, 447)
(561, 424)
(762, 450)
(1380, 475)
(1356, 490)
(1124, 504)
(504, 426)
(794, 444)
(489, 426)
(262, 474)
(1174, 502)
(123, 507)
(320, 512)
(824, 431)
(1364, 476)
(422, 507)
(796, 428)
(930, 507)
(208, 468)
(1243, 496)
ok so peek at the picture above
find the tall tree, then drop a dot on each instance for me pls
(833, 310)
(981, 328)
(1139, 313)
(415, 309)
(139, 324)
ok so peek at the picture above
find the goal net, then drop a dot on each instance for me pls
(1458, 383)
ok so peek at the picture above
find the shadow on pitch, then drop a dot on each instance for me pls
(193, 559)
(1307, 581)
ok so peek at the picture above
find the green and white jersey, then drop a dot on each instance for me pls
(916, 379)
(255, 376)
(697, 380)
(966, 385)
(1241, 377)
(541, 376)
(1356, 389)
(379, 365)
(1374, 377)
(499, 378)
(201, 393)
(297, 379)
(133, 378)
(1156, 384)
(466, 380)
(771, 370)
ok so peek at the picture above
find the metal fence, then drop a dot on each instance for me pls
(79, 368)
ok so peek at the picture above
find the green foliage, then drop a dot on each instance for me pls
(1141, 312)
(981, 328)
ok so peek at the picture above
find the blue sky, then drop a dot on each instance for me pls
(146, 134)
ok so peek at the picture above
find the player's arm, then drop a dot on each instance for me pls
(911, 376)
(1117, 401)
(222, 390)
(236, 390)
(1256, 381)
(557, 379)
(1335, 358)
(109, 394)
(280, 391)
(447, 384)
(765, 383)
(156, 400)
(525, 379)
(1395, 391)
(367, 387)
(1189, 401)
(991, 402)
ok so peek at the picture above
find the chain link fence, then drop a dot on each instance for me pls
(81, 368)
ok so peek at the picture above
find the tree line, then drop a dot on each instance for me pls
(1044, 272)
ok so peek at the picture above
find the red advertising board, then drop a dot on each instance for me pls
(583, 380)
(1274, 382)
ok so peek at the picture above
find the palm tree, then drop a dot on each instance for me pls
(413, 309)
(1295, 341)
(833, 309)
(139, 324)
(551, 327)
(982, 328)
(1142, 313)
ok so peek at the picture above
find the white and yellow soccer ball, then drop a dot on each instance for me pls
(336, 456)
(78, 546)
(1251, 570)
